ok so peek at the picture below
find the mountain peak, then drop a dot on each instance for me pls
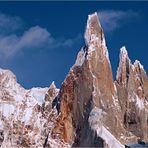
(89, 110)
(123, 51)
(53, 85)
(94, 39)
(94, 32)
(137, 63)
(123, 67)
(7, 77)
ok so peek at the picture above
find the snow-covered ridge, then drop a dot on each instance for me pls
(13, 95)
(38, 94)
(6, 76)
(25, 113)
(123, 52)
(137, 63)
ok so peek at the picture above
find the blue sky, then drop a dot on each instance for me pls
(39, 41)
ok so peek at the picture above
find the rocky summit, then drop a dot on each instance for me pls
(89, 110)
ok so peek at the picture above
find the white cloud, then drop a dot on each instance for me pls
(113, 19)
(34, 38)
(9, 24)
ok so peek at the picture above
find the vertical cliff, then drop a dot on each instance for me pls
(132, 88)
(92, 105)
(89, 110)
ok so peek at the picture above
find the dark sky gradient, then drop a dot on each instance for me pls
(67, 20)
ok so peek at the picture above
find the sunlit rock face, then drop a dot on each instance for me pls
(132, 88)
(93, 105)
(89, 110)
(26, 116)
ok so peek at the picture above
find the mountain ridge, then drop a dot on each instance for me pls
(89, 110)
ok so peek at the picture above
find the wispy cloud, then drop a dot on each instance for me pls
(114, 19)
(9, 24)
(34, 38)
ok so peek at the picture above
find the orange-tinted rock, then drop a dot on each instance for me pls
(132, 86)
(89, 110)
(90, 85)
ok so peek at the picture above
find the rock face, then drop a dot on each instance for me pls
(26, 118)
(95, 110)
(132, 88)
(89, 110)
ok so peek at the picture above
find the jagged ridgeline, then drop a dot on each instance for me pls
(89, 110)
